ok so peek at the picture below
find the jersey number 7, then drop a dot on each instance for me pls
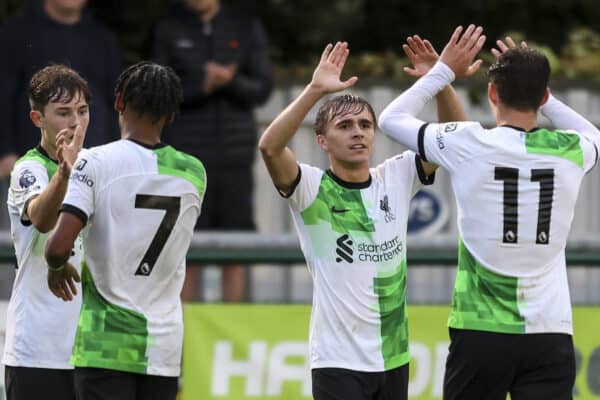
(510, 177)
(172, 206)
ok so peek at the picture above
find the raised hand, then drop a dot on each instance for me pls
(421, 54)
(461, 50)
(61, 282)
(326, 77)
(68, 144)
(503, 46)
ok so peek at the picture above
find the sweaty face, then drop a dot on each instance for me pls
(58, 115)
(349, 138)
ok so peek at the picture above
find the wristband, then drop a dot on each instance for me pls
(57, 268)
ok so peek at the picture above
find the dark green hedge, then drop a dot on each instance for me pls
(299, 28)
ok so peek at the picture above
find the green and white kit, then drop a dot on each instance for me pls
(512, 275)
(353, 236)
(140, 205)
(40, 328)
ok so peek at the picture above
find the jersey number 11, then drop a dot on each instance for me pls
(510, 177)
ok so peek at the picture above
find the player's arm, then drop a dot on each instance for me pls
(62, 275)
(75, 211)
(278, 157)
(560, 115)
(398, 120)
(42, 210)
(423, 57)
(564, 117)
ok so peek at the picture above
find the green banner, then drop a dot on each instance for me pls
(238, 352)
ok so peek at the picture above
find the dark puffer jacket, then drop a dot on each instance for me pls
(29, 42)
(220, 128)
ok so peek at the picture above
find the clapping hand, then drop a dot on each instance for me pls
(217, 75)
(326, 77)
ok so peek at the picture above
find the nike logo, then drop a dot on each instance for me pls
(338, 211)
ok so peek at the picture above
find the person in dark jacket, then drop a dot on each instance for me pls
(223, 61)
(54, 32)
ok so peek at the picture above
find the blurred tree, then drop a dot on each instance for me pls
(299, 29)
(9, 7)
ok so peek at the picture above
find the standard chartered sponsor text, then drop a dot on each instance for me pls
(378, 252)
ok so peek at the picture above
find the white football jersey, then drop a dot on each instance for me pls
(40, 328)
(516, 194)
(353, 237)
(140, 205)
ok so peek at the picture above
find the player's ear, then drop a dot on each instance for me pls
(546, 96)
(322, 142)
(119, 107)
(493, 93)
(36, 118)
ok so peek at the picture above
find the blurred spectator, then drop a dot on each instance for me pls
(60, 32)
(222, 59)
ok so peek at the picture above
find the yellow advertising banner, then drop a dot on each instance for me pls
(256, 352)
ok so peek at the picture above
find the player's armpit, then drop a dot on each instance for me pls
(289, 190)
(429, 168)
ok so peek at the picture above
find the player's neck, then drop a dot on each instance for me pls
(354, 174)
(143, 129)
(48, 148)
(147, 138)
(526, 120)
(61, 15)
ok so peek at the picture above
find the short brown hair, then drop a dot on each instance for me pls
(56, 83)
(341, 105)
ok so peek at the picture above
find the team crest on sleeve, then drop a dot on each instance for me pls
(26, 179)
(81, 164)
(450, 127)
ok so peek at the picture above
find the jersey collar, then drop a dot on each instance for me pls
(43, 152)
(519, 128)
(349, 185)
(158, 145)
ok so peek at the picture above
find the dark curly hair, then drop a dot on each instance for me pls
(340, 105)
(521, 76)
(150, 90)
(56, 83)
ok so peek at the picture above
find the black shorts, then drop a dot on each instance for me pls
(106, 384)
(487, 366)
(345, 384)
(228, 201)
(24, 383)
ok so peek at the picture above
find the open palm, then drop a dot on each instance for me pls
(421, 54)
(326, 77)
